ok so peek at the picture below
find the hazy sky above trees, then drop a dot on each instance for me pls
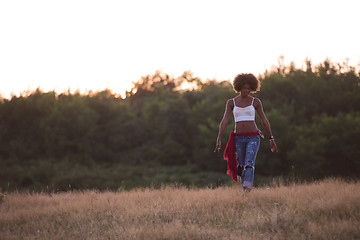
(92, 45)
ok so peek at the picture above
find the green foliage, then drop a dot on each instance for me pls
(329, 146)
(163, 134)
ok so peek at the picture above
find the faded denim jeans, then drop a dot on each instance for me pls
(246, 150)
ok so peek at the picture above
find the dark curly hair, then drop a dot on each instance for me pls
(246, 78)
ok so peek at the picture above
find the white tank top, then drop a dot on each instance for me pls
(244, 113)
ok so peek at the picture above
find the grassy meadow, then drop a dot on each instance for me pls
(328, 209)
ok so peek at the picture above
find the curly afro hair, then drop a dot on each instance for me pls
(246, 78)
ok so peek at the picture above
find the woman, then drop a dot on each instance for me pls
(243, 144)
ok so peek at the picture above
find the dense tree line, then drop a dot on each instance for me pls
(161, 133)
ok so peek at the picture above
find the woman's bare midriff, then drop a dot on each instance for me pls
(245, 126)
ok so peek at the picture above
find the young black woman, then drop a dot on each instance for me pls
(244, 141)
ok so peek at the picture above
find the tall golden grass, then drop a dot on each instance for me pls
(328, 209)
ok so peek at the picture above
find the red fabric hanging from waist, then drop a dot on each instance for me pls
(229, 153)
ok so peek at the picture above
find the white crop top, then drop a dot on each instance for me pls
(244, 113)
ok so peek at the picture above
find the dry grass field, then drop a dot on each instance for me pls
(328, 209)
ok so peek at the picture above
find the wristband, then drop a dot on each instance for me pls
(271, 137)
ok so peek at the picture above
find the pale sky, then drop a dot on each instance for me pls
(93, 45)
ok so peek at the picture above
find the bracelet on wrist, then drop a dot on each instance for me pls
(271, 138)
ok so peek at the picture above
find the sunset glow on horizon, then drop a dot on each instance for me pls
(95, 45)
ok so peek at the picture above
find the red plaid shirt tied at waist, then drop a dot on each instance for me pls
(230, 153)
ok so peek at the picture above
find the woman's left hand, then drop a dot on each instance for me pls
(273, 145)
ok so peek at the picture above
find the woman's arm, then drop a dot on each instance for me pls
(259, 109)
(223, 123)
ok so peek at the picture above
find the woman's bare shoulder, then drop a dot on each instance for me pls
(257, 102)
(230, 102)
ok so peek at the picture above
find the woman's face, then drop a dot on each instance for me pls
(245, 90)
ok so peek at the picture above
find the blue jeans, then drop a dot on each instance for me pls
(246, 150)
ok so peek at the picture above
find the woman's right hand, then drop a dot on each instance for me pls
(218, 145)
